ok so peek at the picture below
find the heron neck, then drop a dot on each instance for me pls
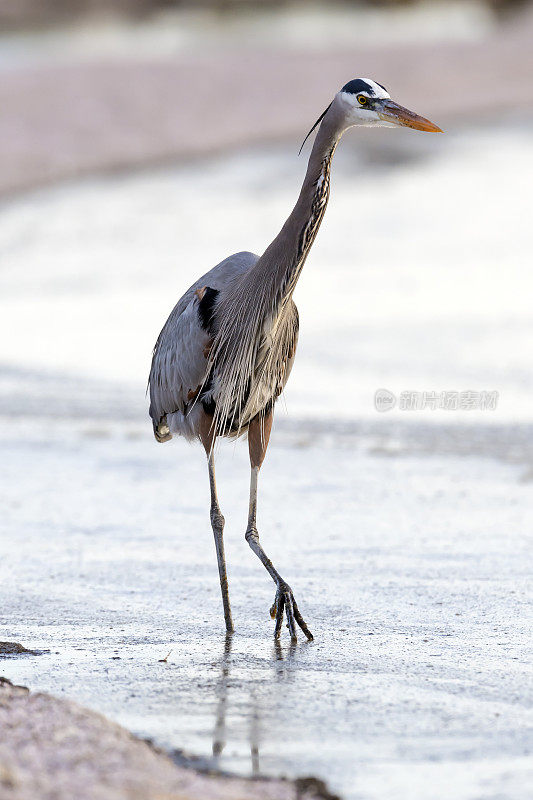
(282, 262)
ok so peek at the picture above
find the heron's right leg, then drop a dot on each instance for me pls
(217, 520)
(284, 602)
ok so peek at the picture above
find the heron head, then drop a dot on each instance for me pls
(365, 102)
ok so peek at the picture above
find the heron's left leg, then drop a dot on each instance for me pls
(258, 437)
(217, 520)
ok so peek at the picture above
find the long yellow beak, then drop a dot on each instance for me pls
(398, 115)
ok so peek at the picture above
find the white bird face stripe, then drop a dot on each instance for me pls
(377, 90)
(365, 86)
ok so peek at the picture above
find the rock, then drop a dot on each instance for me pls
(56, 750)
(15, 649)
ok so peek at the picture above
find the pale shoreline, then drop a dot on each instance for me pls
(79, 116)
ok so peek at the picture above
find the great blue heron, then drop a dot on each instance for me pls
(227, 348)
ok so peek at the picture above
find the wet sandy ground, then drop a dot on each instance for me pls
(412, 571)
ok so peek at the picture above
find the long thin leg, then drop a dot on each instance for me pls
(217, 523)
(258, 437)
(217, 520)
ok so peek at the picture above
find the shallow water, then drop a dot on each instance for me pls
(406, 536)
(412, 571)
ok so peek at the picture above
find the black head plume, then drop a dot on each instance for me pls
(360, 85)
(319, 120)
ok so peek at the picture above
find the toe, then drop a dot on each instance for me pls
(280, 603)
(290, 616)
(300, 620)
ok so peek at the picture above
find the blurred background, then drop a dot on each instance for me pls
(141, 142)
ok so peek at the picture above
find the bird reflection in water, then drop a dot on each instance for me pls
(288, 656)
(221, 691)
(283, 664)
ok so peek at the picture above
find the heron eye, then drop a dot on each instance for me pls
(362, 99)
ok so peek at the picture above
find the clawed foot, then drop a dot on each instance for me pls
(284, 601)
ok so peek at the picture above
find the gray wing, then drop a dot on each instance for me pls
(179, 358)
